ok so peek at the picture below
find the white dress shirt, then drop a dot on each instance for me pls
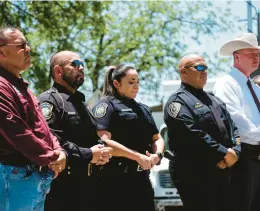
(233, 90)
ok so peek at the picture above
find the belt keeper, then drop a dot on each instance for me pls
(126, 168)
(89, 169)
(139, 168)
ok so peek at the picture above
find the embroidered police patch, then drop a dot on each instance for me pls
(101, 110)
(47, 110)
(174, 109)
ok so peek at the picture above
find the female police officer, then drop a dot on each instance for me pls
(137, 145)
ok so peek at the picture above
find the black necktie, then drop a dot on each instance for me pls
(253, 94)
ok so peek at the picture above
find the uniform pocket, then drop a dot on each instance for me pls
(128, 115)
(73, 119)
(204, 115)
(202, 110)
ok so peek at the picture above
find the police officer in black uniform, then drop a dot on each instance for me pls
(72, 122)
(137, 145)
(204, 140)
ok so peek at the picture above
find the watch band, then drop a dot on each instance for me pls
(160, 155)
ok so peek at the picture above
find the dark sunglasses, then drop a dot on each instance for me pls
(199, 67)
(22, 45)
(77, 63)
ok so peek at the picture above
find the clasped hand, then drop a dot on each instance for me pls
(229, 160)
(59, 164)
(101, 154)
(148, 161)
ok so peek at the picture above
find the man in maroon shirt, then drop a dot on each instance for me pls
(30, 156)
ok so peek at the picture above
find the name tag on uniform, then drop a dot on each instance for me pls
(71, 113)
(126, 109)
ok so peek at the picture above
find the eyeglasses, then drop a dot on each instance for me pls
(23, 45)
(77, 63)
(198, 67)
(250, 55)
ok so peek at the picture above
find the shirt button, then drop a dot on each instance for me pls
(68, 167)
(68, 172)
(119, 164)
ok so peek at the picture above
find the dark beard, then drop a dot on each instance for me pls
(76, 83)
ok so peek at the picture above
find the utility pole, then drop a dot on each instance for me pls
(258, 27)
(250, 26)
(249, 17)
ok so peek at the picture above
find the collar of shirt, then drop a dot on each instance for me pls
(77, 95)
(191, 88)
(123, 98)
(127, 101)
(239, 77)
(19, 82)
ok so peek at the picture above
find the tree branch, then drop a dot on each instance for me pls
(19, 8)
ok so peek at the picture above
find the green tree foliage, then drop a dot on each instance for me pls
(150, 35)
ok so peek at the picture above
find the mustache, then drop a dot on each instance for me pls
(27, 54)
(80, 73)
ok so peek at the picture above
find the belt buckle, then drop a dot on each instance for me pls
(42, 169)
(139, 168)
(89, 169)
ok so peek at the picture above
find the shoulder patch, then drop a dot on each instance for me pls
(101, 110)
(173, 109)
(47, 110)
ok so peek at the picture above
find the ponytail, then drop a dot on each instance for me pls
(108, 88)
(111, 74)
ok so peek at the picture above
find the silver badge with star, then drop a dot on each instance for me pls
(173, 109)
(47, 110)
(101, 110)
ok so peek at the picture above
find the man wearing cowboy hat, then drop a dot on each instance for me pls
(242, 99)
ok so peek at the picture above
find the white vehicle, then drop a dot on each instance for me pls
(166, 195)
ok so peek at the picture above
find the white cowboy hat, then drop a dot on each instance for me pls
(246, 40)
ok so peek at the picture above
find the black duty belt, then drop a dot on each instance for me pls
(250, 151)
(94, 169)
(122, 166)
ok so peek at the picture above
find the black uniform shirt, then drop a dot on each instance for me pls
(72, 121)
(129, 122)
(194, 133)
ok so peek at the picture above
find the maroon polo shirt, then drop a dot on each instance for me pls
(25, 137)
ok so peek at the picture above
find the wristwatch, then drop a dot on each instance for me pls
(160, 155)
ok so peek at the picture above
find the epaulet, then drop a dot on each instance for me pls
(176, 95)
(45, 95)
(219, 101)
(211, 93)
(146, 107)
(114, 99)
(105, 99)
